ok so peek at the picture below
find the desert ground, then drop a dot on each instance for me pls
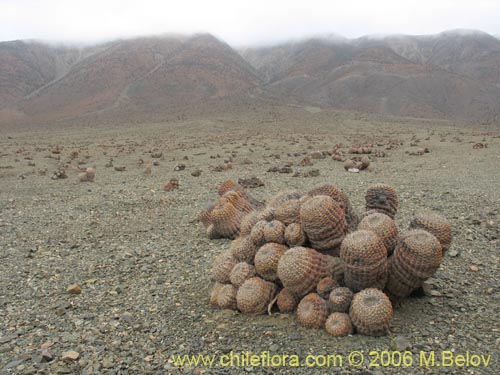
(143, 260)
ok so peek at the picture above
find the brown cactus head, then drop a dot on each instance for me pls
(228, 186)
(383, 198)
(205, 215)
(295, 235)
(240, 273)
(349, 164)
(365, 260)
(282, 197)
(335, 268)
(243, 249)
(215, 293)
(90, 174)
(267, 259)
(420, 252)
(339, 324)
(223, 265)
(300, 269)
(226, 298)
(257, 233)
(365, 162)
(371, 312)
(226, 220)
(248, 221)
(341, 198)
(287, 301)
(323, 221)
(267, 214)
(417, 257)
(384, 227)
(312, 311)
(369, 212)
(239, 200)
(325, 286)
(254, 296)
(274, 231)
(339, 299)
(288, 212)
(435, 224)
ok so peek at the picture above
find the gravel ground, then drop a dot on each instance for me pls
(143, 261)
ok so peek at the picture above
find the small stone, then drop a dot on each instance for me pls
(251, 182)
(107, 363)
(70, 356)
(47, 345)
(474, 268)
(401, 343)
(453, 253)
(74, 289)
(60, 311)
(127, 317)
(6, 339)
(274, 348)
(13, 364)
(47, 355)
(353, 170)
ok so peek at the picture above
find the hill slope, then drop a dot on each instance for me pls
(453, 75)
(141, 75)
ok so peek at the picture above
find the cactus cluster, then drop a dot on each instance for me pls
(313, 255)
(223, 219)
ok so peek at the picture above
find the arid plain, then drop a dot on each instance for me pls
(143, 260)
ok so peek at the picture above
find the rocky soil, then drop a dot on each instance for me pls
(141, 261)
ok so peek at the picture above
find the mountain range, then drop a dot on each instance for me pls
(453, 75)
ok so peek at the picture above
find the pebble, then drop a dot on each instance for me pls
(401, 343)
(47, 355)
(127, 317)
(6, 339)
(74, 289)
(13, 364)
(474, 268)
(70, 355)
(107, 363)
(436, 293)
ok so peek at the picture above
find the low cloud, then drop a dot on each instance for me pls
(239, 23)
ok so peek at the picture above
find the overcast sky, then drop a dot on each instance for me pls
(239, 22)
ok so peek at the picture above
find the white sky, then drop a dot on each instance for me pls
(239, 22)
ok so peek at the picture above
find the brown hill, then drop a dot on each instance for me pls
(136, 75)
(452, 75)
(471, 53)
